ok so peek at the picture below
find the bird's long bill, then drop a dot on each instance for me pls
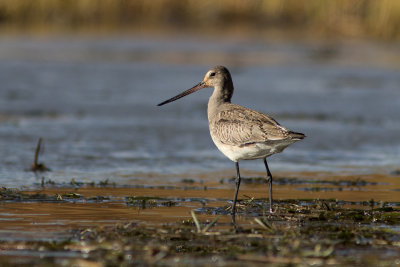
(187, 92)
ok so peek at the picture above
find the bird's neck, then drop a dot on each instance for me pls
(221, 95)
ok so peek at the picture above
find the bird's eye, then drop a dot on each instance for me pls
(212, 74)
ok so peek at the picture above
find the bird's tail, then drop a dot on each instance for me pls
(296, 136)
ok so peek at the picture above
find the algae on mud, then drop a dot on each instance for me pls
(302, 232)
(304, 237)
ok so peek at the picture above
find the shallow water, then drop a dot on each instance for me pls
(49, 213)
(93, 101)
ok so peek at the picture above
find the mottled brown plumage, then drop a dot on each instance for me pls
(234, 125)
(238, 132)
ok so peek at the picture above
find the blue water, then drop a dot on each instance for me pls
(93, 101)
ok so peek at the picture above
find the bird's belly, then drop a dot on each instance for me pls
(248, 152)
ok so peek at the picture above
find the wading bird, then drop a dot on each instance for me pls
(238, 132)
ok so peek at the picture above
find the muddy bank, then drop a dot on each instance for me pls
(301, 232)
(320, 219)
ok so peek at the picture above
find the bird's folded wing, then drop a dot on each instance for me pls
(241, 126)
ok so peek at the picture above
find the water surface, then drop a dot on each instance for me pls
(93, 101)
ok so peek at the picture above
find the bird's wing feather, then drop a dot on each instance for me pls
(241, 126)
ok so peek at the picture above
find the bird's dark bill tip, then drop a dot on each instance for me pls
(187, 92)
(165, 102)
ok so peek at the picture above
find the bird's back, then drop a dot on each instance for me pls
(233, 127)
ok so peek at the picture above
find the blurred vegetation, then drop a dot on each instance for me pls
(377, 19)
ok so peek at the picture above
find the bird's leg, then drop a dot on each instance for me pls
(269, 180)
(236, 191)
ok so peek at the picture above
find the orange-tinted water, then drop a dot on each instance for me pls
(34, 219)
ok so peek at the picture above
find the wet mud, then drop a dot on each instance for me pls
(319, 219)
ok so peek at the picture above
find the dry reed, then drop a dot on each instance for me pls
(339, 18)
